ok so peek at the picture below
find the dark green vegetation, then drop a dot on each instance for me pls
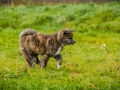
(86, 66)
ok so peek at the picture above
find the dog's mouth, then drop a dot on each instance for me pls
(68, 42)
(71, 43)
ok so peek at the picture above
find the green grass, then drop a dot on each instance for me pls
(86, 66)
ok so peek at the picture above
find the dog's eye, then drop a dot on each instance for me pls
(69, 38)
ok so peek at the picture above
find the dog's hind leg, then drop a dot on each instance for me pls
(36, 59)
(28, 58)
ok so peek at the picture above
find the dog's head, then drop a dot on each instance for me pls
(66, 37)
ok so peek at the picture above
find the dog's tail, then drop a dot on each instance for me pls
(27, 32)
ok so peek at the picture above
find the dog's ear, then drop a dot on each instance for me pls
(68, 31)
(65, 32)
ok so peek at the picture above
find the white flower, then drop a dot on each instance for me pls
(103, 46)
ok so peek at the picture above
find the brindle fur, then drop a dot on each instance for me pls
(33, 43)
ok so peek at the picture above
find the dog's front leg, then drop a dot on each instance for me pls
(59, 59)
(44, 61)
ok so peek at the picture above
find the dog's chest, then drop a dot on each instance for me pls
(58, 51)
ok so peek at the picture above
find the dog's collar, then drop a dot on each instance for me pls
(62, 45)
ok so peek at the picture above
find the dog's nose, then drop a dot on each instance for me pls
(74, 42)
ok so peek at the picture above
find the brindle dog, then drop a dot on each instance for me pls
(33, 43)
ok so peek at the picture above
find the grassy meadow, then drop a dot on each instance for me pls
(87, 65)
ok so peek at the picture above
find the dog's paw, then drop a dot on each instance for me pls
(58, 66)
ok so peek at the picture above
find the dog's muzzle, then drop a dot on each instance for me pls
(73, 42)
